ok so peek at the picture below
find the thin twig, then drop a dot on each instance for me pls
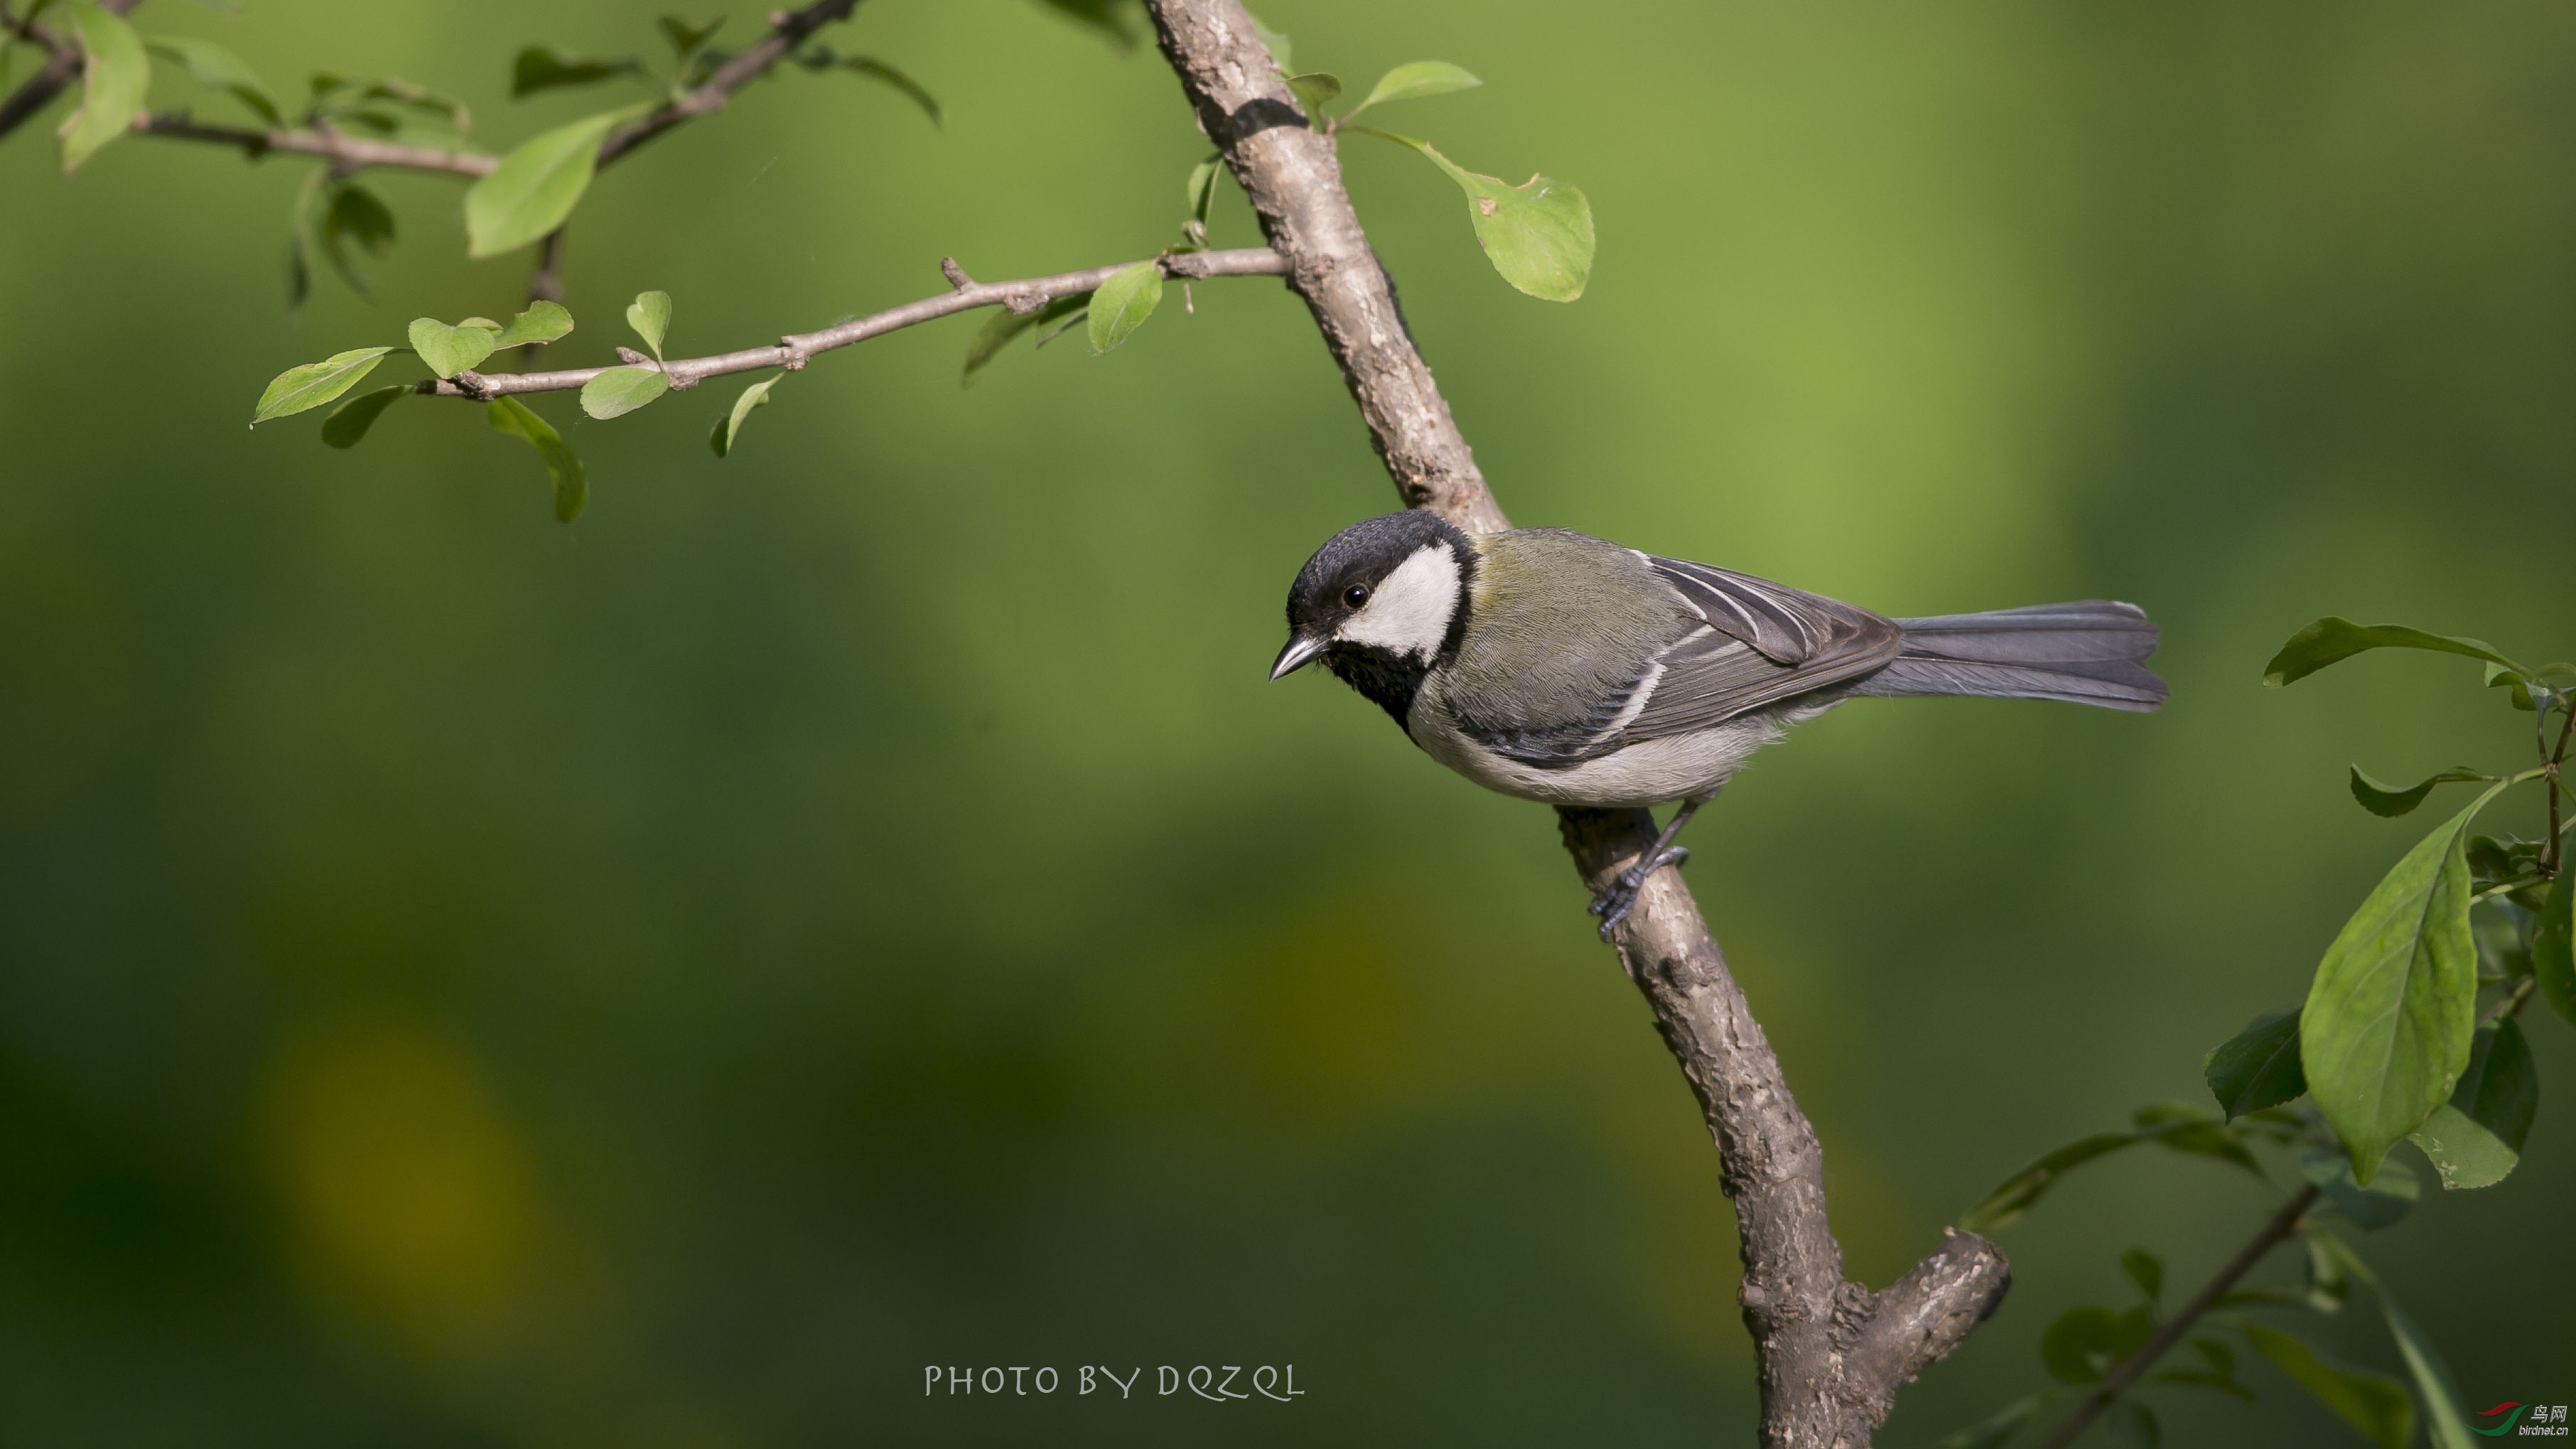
(346, 153)
(787, 30)
(792, 352)
(2131, 1369)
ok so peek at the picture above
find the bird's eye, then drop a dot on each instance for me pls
(1355, 595)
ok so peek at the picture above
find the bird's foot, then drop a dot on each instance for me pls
(1614, 904)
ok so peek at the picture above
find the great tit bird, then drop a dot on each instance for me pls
(1555, 666)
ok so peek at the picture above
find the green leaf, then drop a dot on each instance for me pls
(350, 420)
(113, 82)
(2475, 1139)
(1997, 1431)
(650, 315)
(1005, 325)
(2390, 1196)
(218, 69)
(2433, 1383)
(2133, 1423)
(1124, 302)
(2499, 677)
(2084, 1343)
(444, 109)
(353, 214)
(2330, 640)
(451, 350)
(544, 68)
(2202, 1379)
(1538, 234)
(2375, 1405)
(2146, 1270)
(1313, 90)
(621, 390)
(2390, 801)
(1201, 192)
(2553, 945)
(542, 322)
(880, 71)
(2329, 1287)
(2005, 1205)
(2258, 1067)
(1415, 80)
(536, 186)
(686, 38)
(563, 467)
(2187, 1129)
(1275, 41)
(300, 389)
(729, 428)
(2385, 1033)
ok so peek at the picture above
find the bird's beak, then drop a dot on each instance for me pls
(1301, 650)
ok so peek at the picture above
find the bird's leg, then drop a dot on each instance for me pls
(1614, 904)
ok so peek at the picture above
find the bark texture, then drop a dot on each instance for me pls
(1831, 1354)
(1294, 179)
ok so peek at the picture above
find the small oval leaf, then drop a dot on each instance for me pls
(2475, 1139)
(114, 79)
(299, 389)
(1417, 79)
(218, 69)
(451, 350)
(350, 420)
(729, 427)
(542, 322)
(536, 186)
(563, 466)
(2258, 1067)
(650, 315)
(621, 390)
(997, 333)
(1124, 302)
(543, 68)
(1538, 234)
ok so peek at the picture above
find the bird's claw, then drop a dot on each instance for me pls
(1614, 904)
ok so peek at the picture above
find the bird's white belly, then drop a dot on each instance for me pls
(1651, 773)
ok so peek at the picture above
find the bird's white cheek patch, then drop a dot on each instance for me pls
(1410, 612)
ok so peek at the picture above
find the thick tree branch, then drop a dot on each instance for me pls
(1832, 1354)
(792, 352)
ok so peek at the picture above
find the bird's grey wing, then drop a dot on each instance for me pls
(1746, 644)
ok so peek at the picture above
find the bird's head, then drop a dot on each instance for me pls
(1381, 602)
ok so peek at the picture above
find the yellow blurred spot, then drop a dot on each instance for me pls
(407, 1192)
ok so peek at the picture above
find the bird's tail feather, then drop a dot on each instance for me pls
(2087, 653)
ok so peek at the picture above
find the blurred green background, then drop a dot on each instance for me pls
(857, 906)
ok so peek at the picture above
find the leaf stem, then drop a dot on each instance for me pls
(2131, 1369)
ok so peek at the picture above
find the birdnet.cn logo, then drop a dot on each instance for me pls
(2544, 1420)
